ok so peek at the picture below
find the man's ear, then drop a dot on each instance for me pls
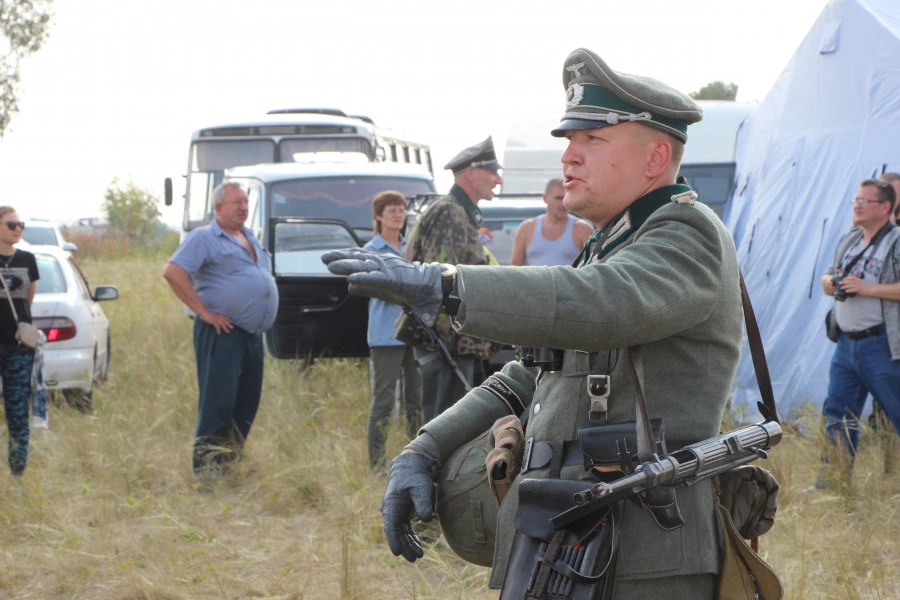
(660, 156)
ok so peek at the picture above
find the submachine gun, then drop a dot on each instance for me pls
(685, 466)
(430, 335)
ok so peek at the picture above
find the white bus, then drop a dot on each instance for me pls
(293, 135)
(532, 156)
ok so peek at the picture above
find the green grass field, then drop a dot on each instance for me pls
(109, 509)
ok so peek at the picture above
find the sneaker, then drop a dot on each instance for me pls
(39, 423)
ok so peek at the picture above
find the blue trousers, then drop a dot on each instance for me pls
(15, 369)
(858, 368)
(229, 377)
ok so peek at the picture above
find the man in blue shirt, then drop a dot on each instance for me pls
(388, 355)
(223, 274)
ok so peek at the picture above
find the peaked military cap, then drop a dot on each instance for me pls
(597, 96)
(480, 155)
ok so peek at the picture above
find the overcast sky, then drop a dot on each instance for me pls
(121, 84)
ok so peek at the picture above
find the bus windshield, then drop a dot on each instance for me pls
(348, 199)
(208, 163)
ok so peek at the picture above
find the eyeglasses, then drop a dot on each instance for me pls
(394, 211)
(13, 225)
(865, 201)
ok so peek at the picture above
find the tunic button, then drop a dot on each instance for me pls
(537, 408)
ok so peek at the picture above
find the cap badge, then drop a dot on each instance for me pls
(576, 69)
(575, 93)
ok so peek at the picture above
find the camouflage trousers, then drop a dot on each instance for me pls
(15, 369)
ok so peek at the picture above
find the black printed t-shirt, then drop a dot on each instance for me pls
(18, 273)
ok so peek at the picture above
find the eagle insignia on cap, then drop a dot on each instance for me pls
(575, 69)
(574, 94)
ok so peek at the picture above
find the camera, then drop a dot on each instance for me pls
(839, 294)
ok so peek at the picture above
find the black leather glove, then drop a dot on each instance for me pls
(409, 489)
(390, 278)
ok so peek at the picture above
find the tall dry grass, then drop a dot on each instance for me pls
(109, 510)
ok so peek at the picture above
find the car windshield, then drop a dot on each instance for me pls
(52, 280)
(39, 235)
(347, 199)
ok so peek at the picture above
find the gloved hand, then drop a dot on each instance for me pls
(390, 278)
(408, 490)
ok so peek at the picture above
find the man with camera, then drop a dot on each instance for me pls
(865, 282)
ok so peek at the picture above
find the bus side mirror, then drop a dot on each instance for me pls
(168, 191)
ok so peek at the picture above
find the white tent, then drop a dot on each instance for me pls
(831, 120)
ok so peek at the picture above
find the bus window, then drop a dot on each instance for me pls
(318, 149)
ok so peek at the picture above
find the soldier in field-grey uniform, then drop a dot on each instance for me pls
(661, 272)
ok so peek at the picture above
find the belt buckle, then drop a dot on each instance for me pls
(526, 454)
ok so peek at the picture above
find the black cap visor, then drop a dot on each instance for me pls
(576, 125)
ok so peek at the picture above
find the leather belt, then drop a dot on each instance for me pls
(858, 335)
(538, 455)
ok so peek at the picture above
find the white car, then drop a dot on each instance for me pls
(44, 233)
(77, 351)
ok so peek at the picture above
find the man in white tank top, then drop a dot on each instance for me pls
(554, 238)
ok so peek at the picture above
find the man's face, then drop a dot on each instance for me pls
(869, 214)
(554, 198)
(232, 212)
(483, 183)
(604, 170)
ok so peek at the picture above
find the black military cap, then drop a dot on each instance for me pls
(480, 155)
(597, 96)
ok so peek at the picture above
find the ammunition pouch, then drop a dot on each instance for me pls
(616, 444)
(575, 563)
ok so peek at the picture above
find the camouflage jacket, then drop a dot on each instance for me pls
(448, 233)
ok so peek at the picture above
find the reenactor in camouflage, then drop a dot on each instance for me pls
(448, 233)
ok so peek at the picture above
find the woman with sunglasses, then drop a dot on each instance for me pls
(20, 274)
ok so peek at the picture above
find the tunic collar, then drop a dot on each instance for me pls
(462, 198)
(603, 241)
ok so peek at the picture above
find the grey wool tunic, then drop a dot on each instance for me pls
(666, 278)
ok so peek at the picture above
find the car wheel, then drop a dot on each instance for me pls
(80, 400)
(103, 374)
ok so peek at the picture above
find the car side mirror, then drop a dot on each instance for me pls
(167, 194)
(106, 292)
(70, 247)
